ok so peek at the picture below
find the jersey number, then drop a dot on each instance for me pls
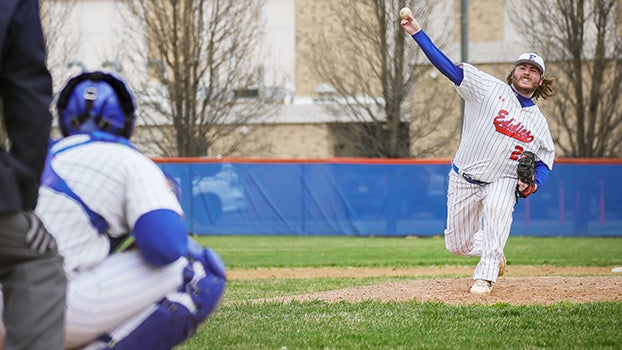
(518, 150)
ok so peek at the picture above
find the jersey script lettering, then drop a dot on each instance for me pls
(509, 128)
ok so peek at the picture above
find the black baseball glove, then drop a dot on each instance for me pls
(525, 172)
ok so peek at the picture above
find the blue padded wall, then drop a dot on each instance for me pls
(381, 199)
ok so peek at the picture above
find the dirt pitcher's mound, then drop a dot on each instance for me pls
(511, 290)
(450, 271)
(537, 288)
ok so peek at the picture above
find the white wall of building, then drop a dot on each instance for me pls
(280, 40)
(98, 27)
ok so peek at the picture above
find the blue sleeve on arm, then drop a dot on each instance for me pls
(161, 236)
(438, 58)
(541, 172)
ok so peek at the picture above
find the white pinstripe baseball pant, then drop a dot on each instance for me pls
(479, 219)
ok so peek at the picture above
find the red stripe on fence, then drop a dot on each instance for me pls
(594, 161)
(385, 161)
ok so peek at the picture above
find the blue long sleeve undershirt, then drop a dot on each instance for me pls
(456, 75)
(438, 58)
(541, 172)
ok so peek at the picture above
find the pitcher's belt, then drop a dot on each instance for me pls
(466, 176)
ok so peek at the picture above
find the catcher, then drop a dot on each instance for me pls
(96, 187)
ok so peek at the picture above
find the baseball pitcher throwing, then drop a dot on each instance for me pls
(503, 132)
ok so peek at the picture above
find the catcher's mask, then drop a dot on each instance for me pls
(96, 101)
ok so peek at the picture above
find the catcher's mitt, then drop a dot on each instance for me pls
(525, 172)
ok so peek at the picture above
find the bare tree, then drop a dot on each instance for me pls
(370, 71)
(205, 73)
(58, 44)
(582, 40)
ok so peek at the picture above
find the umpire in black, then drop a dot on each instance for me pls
(31, 270)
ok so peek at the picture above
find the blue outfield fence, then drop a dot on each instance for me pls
(364, 197)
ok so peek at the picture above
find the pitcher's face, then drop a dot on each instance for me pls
(526, 78)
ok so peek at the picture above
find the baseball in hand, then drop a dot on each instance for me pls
(405, 12)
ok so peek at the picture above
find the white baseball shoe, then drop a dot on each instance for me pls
(502, 265)
(481, 287)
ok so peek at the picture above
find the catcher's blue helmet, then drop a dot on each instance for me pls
(96, 101)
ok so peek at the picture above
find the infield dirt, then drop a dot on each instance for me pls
(521, 285)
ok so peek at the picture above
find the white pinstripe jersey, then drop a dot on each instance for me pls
(114, 180)
(497, 129)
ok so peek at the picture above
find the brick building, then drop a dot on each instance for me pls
(302, 128)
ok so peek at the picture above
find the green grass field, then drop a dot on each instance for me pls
(240, 324)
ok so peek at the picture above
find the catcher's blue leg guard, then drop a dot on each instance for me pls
(175, 318)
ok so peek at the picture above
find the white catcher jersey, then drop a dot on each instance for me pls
(497, 129)
(115, 181)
